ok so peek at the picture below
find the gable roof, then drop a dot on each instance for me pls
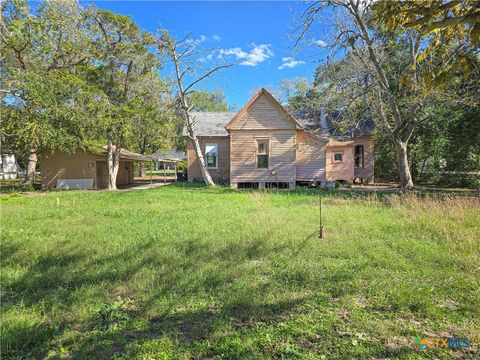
(261, 92)
(211, 123)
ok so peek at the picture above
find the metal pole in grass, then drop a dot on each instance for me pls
(320, 229)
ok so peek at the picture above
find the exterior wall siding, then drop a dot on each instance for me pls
(76, 166)
(66, 166)
(219, 175)
(311, 158)
(264, 119)
(281, 156)
(342, 170)
(367, 171)
(263, 114)
(124, 176)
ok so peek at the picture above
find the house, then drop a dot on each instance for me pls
(10, 170)
(168, 158)
(85, 169)
(265, 145)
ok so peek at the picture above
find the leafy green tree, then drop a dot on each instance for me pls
(204, 100)
(396, 76)
(452, 28)
(121, 58)
(154, 120)
(35, 48)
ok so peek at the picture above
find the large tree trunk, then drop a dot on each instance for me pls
(113, 162)
(31, 167)
(403, 128)
(403, 167)
(189, 121)
(142, 169)
(207, 178)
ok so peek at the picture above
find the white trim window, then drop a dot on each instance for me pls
(211, 156)
(263, 147)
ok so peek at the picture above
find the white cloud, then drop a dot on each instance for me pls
(206, 58)
(258, 54)
(288, 62)
(216, 37)
(202, 38)
(320, 43)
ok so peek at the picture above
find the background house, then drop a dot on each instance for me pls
(172, 155)
(9, 167)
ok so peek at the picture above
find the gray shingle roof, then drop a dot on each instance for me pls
(311, 123)
(211, 123)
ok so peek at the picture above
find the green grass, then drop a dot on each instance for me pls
(191, 272)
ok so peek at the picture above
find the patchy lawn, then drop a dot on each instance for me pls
(174, 273)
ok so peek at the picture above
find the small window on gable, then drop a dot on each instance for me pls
(211, 155)
(262, 153)
(359, 156)
(337, 157)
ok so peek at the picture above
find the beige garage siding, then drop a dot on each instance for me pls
(311, 152)
(66, 166)
(124, 176)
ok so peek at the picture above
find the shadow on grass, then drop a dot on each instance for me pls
(187, 328)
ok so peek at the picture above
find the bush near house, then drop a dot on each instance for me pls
(192, 272)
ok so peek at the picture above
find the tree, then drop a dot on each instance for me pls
(399, 92)
(453, 26)
(181, 52)
(48, 115)
(204, 100)
(121, 58)
(37, 49)
(153, 115)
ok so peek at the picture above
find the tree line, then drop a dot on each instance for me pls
(412, 66)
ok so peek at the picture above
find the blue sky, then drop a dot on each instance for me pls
(257, 36)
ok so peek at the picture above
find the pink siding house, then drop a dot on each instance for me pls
(264, 145)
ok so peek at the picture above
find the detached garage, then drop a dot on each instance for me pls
(85, 170)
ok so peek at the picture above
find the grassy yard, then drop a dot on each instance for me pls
(189, 272)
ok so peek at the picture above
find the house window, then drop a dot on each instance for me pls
(262, 154)
(211, 154)
(337, 157)
(359, 156)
